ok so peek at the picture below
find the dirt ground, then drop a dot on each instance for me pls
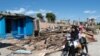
(93, 50)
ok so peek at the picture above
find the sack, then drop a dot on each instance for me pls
(77, 44)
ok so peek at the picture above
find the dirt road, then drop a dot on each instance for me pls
(94, 47)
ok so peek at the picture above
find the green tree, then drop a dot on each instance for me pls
(40, 16)
(50, 17)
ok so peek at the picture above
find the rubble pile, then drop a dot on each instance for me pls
(55, 41)
(49, 41)
(45, 41)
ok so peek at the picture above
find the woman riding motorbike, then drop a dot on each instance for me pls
(71, 39)
(75, 38)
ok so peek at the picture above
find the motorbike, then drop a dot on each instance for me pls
(75, 47)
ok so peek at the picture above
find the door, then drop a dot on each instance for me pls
(20, 26)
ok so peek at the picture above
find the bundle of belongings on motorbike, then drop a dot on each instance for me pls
(75, 43)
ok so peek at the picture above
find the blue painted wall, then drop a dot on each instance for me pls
(25, 28)
(2, 27)
(29, 26)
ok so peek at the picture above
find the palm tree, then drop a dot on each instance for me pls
(40, 16)
(50, 17)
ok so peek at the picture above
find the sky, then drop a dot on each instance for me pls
(63, 9)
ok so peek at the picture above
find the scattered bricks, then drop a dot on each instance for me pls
(40, 45)
(55, 41)
(29, 47)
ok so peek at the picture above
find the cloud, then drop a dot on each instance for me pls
(21, 10)
(89, 11)
(29, 12)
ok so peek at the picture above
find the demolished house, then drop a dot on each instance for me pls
(16, 25)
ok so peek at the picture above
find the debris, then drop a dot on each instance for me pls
(22, 52)
(40, 45)
(14, 48)
(55, 41)
(27, 47)
(48, 41)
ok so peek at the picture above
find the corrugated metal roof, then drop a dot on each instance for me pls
(15, 15)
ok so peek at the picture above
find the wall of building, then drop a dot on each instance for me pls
(29, 26)
(21, 27)
(2, 27)
(45, 25)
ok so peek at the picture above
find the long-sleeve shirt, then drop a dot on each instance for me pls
(74, 35)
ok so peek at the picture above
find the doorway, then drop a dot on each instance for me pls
(8, 25)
